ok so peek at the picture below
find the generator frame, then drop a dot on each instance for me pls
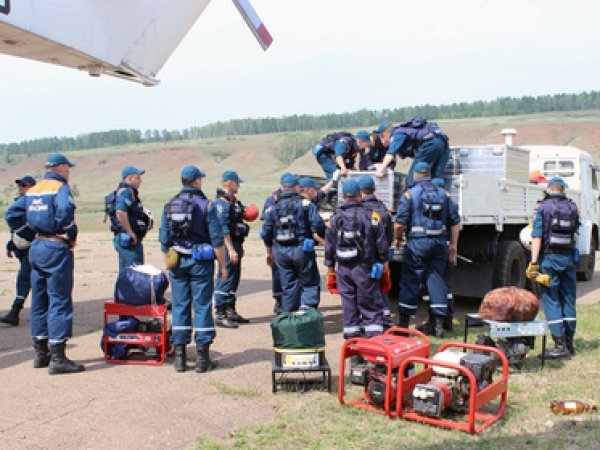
(371, 349)
(477, 399)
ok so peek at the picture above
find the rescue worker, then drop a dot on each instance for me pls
(424, 214)
(336, 151)
(374, 205)
(130, 218)
(311, 190)
(18, 246)
(421, 140)
(230, 212)
(276, 290)
(50, 213)
(553, 253)
(429, 326)
(190, 237)
(291, 227)
(356, 240)
(372, 150)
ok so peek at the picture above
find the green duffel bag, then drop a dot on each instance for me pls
(298, 330)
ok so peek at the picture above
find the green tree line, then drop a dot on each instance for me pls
(504, 106)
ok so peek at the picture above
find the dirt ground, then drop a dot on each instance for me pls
(140, 406)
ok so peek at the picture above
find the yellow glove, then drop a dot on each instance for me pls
(533, 270)
(543, 279)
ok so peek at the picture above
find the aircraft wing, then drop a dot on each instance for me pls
(129, 39)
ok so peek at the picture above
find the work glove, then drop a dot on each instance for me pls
(543, 279)
(385, 283)
(332, 283)
(533, 270)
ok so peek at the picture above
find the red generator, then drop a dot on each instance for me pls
(454, 389)
(152, 340)
(376, 366)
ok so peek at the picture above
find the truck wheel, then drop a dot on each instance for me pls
(589, 264)
(509, 269)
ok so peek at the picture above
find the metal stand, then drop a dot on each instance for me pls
(280, 372)
(504, 330)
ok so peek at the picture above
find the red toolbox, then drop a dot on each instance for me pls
(463, 388)
(383, 356)
(159, 339)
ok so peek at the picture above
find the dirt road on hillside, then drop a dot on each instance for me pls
(140, 406)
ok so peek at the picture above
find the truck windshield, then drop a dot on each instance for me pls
(559, 168)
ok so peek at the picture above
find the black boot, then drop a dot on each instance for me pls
(221, 319)
(12, 318)
(180, 358)
(560, 349)
(427, 327)
(438, 331)
(59, 363)
(233, 315)
(569, 343)
(403, 321)
(204, 363)
(448, 323)
(42, 353)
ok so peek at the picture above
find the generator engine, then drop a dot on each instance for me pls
(374, 378)
(448, 388)
(515, 349)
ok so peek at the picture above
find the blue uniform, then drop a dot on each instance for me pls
(15, 219)
(276, 290)
(229, 213)
(192, 280)
(334, 145)
(422, 141)
(50, 213)
(287, 224)
(372, 203)
(558, 300)
(426, 210)
(356, 239)
(129, 202)
(374, 153)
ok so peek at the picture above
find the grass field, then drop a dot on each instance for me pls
(257, 159)
(318, 421)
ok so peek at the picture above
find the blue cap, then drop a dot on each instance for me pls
(56, 159)
(27, 179)
(363, 135)
(191, 173)
(384, 126)
(307, 182)
(351, 188)
(366, 182)
(231, 175)
(422, 167)
(130, 170)
(438, 182)
(559, 181)
(289, 179)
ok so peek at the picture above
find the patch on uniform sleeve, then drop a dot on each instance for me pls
(407, 195)
(128, 201)
(306, 202)
(375, 216)
(219, 207)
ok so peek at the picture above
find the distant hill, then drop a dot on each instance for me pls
(258, 161)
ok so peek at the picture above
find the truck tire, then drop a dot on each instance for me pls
(589, 264)
(509, 269)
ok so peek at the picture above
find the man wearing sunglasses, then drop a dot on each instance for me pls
(18, 246)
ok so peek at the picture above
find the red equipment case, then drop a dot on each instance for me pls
(475, 421)
(390, 349)
(159, 340)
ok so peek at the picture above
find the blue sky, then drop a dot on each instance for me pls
(328, 56)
